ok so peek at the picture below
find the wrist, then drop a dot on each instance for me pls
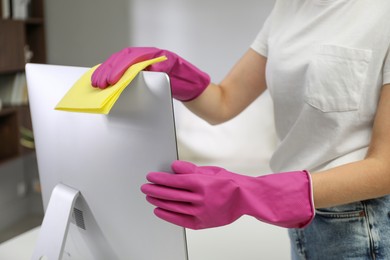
(283, 199)
(187, 81)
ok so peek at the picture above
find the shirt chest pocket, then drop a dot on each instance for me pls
(335, 78)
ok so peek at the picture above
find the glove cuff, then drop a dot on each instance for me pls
(311, 198)
(187, 81)
(282, 199)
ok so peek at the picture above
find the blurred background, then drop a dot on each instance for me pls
(212, 35)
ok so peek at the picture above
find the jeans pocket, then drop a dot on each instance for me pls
(341, 214)
(335, 233)
(335, 78)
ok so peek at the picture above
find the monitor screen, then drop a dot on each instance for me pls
(104, 160)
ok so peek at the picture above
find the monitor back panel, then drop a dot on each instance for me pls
(106, 158)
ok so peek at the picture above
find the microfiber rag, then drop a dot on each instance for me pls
(84, 98)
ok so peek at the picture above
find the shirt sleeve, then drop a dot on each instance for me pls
(386, 69)
(260, 44)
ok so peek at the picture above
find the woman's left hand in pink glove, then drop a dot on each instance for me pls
(187, 81)
(207, 196)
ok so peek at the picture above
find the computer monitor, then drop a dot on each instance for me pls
(91, 167)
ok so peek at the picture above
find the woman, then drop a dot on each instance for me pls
(326, 64)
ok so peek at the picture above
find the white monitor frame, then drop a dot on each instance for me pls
(91, 168)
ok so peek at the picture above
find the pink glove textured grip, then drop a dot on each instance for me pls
(205, 197)
(187, 81)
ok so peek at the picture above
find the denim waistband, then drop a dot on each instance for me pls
(359, 230)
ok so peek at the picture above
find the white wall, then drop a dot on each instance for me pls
(218, 30)
(83, 33)
(212, 34)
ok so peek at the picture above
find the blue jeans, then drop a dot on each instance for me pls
(354, 231)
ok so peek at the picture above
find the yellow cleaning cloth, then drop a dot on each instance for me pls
(82, 97)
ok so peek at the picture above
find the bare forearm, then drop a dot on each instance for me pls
(243, 84)
(216, 105)
(366, 179)
(209, 105)
(361, 180)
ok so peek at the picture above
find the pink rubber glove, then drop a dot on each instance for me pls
(187, 81)
(205, 197)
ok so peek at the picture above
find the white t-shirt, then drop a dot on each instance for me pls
(327, 61)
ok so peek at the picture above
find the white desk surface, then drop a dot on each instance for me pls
(20, 247)
(247, 238)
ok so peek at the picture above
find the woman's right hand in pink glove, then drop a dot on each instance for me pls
(187, 81)
(199, 197)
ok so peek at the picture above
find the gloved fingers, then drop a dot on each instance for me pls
(183, 167)
(181, 220)
(100, 75)
(173, 206)
(167, 193)
(116, 65)
(99, 79)
(188, 182)
(120, 65)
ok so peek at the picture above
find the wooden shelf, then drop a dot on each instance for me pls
(21, 41)
(12, 45)
(34, 21)
(9, 133)
(12, 120)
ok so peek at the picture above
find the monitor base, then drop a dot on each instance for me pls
(55, 225)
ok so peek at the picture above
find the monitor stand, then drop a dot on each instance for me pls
(55, 225)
